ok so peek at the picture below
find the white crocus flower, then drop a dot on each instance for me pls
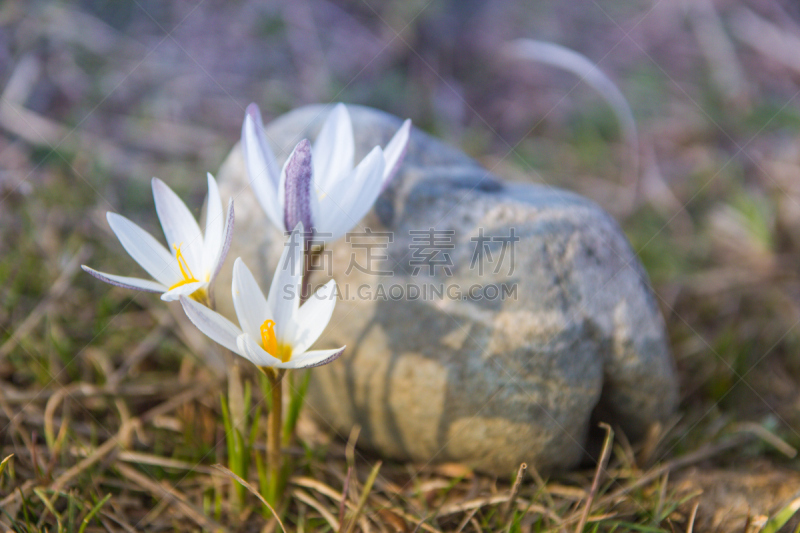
(340, 194)
(192, 261)
(276, 331)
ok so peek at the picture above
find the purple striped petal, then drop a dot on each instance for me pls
(297, 199)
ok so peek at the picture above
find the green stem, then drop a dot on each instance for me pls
(308, 260)
(275, 425)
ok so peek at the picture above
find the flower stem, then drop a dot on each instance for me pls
(237, 414)
(305, 286)
(274, 431)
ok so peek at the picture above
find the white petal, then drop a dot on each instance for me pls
(227, 237)
(180, 227)
(249, 348)
(262, 169)
(284, 293)
(373, 185)
(351, 198)
(313, 317)
(313, 358)
(183, 290)
(255, 145)
(126, 282)
(334, 148)
(145, 250)
(215, 220)
(212, 324)
(395, 151)
(248, 300)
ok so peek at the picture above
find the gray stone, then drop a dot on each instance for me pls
(487, 382)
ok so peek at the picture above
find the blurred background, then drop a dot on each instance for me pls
(99, 96)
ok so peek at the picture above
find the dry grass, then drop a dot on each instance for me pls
(109, 402)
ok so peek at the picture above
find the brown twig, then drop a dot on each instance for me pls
(662, 495)
(512, 497)
(465, 520)
(343, 500)
(317, 506)
(477, 503)
(107, 447)
(122, 436)
(692, 517)
(86, 390)
(767, 436)
(164, 491)
(153, 460)
(601, 466)
(702, 454)
(319, 486)
(181, 399)
(50, 408)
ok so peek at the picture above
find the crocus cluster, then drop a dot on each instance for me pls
(318, 192)
(273, 332)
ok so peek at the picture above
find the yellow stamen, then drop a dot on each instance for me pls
(188, 277)
(270, 342)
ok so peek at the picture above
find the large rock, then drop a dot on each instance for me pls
(490, 382)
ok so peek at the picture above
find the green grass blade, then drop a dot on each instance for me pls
(784, 515)
(362, 501)
(4, 463)
(94, 511)
(226, 421)
(49, 505)
(254, 428)
(296, 399)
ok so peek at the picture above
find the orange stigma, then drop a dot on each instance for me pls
(270, 342)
